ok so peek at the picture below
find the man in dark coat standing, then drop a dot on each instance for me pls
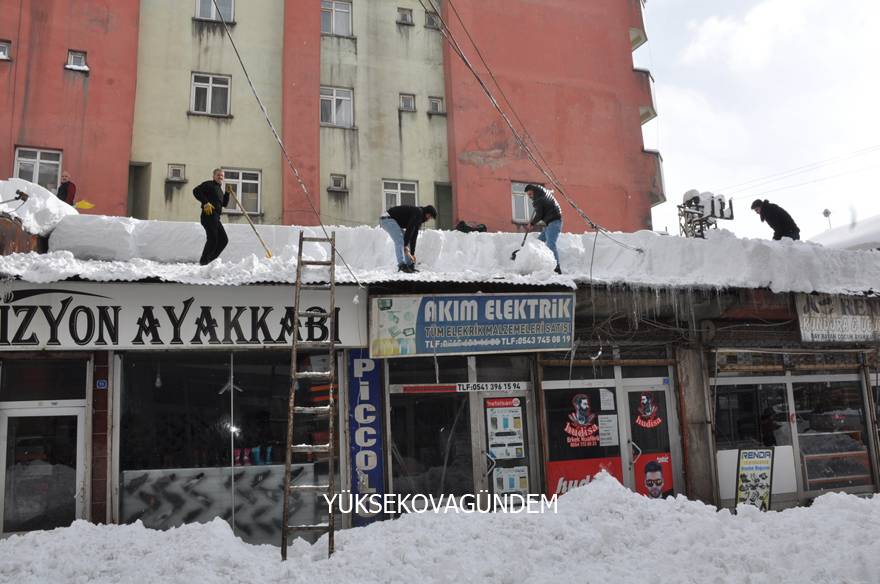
(547, 210)
(213, 198)
(403, 223)
(66, 190)
(777, 218)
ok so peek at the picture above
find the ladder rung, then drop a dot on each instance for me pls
(313, 410)
(311, 488)
(312, 374)
(317, 263)
(312, 239)
(314, 286)
(315, 344)
(310, 448)
(312, 527)
(313, 314)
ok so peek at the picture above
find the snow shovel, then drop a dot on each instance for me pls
(19, 196)
(513, 255)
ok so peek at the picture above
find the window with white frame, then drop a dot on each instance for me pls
(38, 166)
(76, 60)
(407, 102)
(246, 186)
(399, 193)
(336, 17)
(210, 94)
(206, 10)
(522, 205)
(5, 50)
(432, 20)
(435, 105)
(404, 16)
(177, 172)
(338, 182)
(337, 107)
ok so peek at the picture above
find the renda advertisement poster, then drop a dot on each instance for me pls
(582, 437)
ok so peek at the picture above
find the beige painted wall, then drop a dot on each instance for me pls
(171, 47)
(383, 60)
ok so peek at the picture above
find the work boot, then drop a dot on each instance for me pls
(557, 270)
(403, 268)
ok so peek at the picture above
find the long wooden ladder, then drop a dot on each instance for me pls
(327, 412)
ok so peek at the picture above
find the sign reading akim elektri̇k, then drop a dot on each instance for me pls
(463, 324)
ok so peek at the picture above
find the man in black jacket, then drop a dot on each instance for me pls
(212, 197)
(66, 190)
(777, 218)
(403, 223)
(546, 210)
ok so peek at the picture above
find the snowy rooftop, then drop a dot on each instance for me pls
(601, 533)
(103, 249)
(862, 235)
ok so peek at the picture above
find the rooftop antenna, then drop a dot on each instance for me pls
(827, 214)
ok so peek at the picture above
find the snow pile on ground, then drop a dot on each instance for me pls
(121, 249)
(42, 211)
(602, 533)
(862, 235)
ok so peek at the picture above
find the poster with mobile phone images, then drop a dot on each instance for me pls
(505, 428)
(511, 480)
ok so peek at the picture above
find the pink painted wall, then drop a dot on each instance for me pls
(88, 117)
(566, 65)
(300, 109)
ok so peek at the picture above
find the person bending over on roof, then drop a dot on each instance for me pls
(546, 210)
(402, 223)
(213, 198)
(777, 218)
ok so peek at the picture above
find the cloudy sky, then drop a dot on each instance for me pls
(784, 91)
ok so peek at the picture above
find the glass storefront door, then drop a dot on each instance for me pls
(42, 460)
(648, 424)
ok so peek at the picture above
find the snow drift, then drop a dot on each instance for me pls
(41, 213)
(602, 533)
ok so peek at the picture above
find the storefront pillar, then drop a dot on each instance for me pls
(698, 442)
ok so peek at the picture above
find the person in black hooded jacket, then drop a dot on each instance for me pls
(213, 198)
(777, 218)
(402, 223)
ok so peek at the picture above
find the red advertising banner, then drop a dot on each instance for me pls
(653, 475)
(568, 474)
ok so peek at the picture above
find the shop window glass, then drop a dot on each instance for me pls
(831, 431)
(751, 416)
(46, 379)
(421, 370)
(504, 368)
(556, 373)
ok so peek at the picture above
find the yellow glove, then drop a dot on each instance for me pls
(208, 208)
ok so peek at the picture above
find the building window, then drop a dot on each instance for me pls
(210, 94)
(206, 10)
(407, 102)
(177, 172)
(39, 166)
(76, 60)
(338, 183)
(404, 16)
(336, 107)
(246, 186)
(435, 105)
(336, 17)
(5, 50)
(522, 207)
(432, 20)
(399, 193)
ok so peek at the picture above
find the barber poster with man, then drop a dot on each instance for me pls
(652, 460)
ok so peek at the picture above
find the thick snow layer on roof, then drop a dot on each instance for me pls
(121, 249)
(601, 533)
(40, 213)
(862, 235)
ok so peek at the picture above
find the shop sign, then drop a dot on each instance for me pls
(463, 324)
(492, 386)
(832, 318)
(754, 477)
(88, 316)
(365, 430)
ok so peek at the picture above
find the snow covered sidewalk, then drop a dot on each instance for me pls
(601, 534)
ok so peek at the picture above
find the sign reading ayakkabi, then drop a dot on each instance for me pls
(80, 316)
(449, 324)
(827, 318)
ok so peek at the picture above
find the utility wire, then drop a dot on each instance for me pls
(453, 43)
(290, 164)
